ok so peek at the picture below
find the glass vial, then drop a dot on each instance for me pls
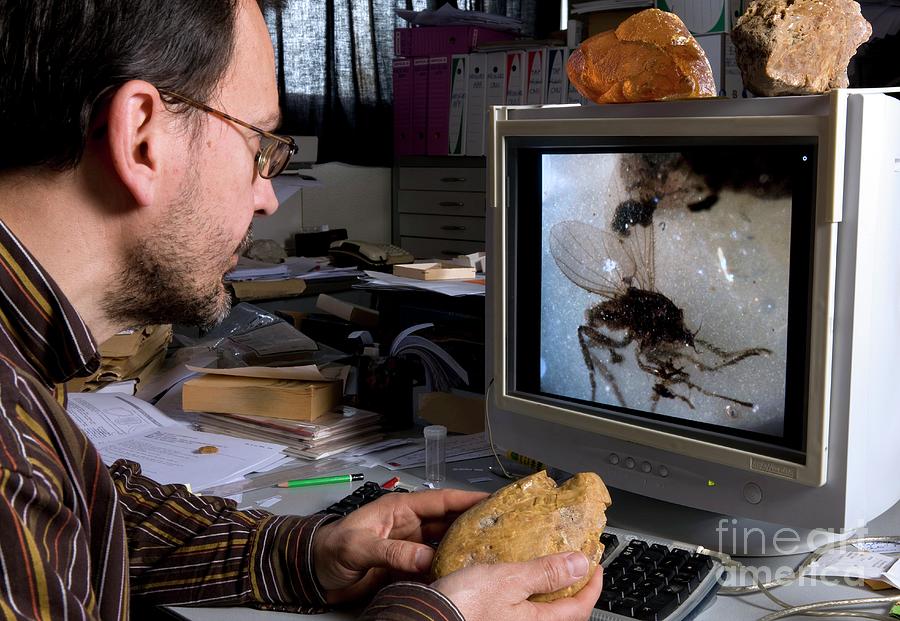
(435, 455)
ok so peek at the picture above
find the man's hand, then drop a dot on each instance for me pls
(500, 592)
(356, 554)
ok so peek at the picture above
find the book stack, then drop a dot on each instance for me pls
(292, 393)
(129, 355)
(342, 429)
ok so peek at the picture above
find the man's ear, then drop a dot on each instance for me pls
(137, 132)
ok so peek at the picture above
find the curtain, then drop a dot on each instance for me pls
(333, 62)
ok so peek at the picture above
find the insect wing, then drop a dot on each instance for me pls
(602, 262)
(580, 252)
(635, 253)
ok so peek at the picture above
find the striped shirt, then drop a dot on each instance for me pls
(80, 541)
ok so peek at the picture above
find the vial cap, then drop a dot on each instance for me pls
(435, 431)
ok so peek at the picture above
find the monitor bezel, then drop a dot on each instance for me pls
(535, 123)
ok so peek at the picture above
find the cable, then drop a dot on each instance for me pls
(487, 419)
(810, 609)
(809, 560)
(790, 610)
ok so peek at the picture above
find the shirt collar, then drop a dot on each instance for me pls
(47, 333)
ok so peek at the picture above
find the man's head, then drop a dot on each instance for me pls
(176, 186)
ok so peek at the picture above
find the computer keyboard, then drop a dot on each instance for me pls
(651, 579)
(364, 494)
(644, 578)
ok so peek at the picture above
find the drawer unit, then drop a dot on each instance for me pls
(444, 227)
(439, 206)
(441, 203)
(446, 179)
(426, 248)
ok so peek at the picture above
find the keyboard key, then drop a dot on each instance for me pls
(609, 540)
(671, 562)
(688, 582)
(663, 575)
(637, 546)
(678, 592)
(607, 598)
(615, 570)
(656, 608)
(625, 606)
(655, 554)
(644, 591)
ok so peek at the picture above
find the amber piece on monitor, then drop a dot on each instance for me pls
(651, 56)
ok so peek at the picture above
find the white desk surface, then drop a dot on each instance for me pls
(744, 608)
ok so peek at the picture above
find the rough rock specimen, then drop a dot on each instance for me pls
(527, 519)
(798, 47)
(651, 56)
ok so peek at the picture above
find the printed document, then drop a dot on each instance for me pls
(168, 450)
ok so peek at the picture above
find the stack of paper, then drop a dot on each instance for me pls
(449, 15)
(458, 448)
(344, 429)
(168, 450)
(455, 288)
(608, 5)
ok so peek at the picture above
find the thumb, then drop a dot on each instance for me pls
(553, 572)
(405, 556)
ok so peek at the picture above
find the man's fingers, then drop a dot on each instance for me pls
(432, 504)
(404, 556)
(550, 573)
(576, 608)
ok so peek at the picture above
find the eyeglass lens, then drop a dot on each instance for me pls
(273, 158)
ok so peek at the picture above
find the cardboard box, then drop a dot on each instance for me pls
(420, 106)
(475, 104)
(438, 105)
(449, 40)
(516, 63)
(403, 105)
(700, 16)
(456, 131)
(557, 86)
(535, 75)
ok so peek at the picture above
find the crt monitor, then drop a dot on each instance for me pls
(698, 301)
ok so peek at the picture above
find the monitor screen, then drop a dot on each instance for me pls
(667, 284)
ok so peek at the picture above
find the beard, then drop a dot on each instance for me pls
(175, 273)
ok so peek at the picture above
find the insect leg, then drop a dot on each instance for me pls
(588, 337)
(672, 375)
(729, 357)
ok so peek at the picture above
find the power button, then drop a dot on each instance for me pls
(752, 493)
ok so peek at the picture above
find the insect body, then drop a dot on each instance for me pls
(620, 269)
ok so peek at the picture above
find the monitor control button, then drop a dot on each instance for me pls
(752, 493)
(629, 463)
(663, 471)
(614, 459)
(646, 467)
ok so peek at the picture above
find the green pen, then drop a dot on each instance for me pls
(338, 478)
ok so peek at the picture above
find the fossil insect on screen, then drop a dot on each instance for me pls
(665, 282)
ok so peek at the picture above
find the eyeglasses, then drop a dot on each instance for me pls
(274, 151)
